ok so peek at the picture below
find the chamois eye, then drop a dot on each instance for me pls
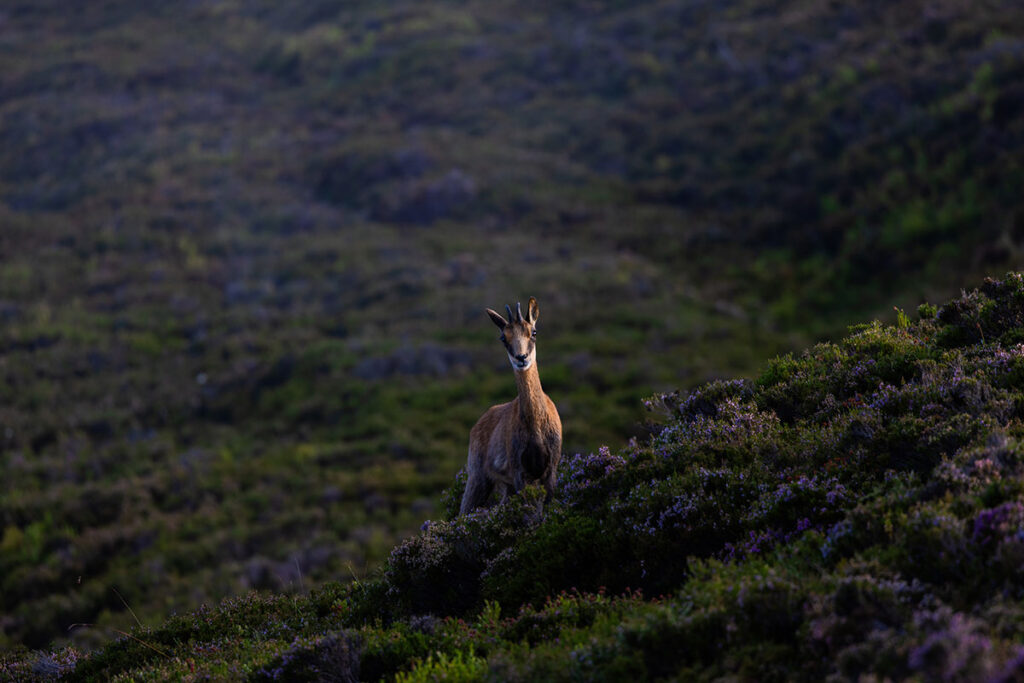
(534, 333)
(502, 337)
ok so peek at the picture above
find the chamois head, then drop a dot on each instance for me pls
(519, 334)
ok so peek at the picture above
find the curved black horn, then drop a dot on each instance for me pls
(519, 312)
(509, 309)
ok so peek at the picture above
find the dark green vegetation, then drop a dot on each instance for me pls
(245, 247)
(855, 510)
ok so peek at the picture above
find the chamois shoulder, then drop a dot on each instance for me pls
(490, 418)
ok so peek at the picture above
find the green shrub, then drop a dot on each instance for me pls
(461, 667)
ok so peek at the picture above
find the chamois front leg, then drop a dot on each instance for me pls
(502, 489)
(550, 480)
(478, 490)
(518, 481)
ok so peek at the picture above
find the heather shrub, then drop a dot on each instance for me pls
(451, 497)
(569, 551)
(836, 443)
(385, 652)
(984, 314)
(997, 538)
(329, 658)
(439, 571)
(586, 481)
(883, 460)
(855, 513)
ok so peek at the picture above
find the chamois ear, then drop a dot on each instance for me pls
(497, 319)
(532, 311)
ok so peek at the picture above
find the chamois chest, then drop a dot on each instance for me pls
(536, 445)
(534, 458)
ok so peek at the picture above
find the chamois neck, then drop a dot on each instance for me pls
(531, 395)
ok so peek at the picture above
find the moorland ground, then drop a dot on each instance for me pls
(246, 248)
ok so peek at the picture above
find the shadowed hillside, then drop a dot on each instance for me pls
(855, 511)
(245, 248)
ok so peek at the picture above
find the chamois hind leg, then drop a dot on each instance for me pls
(478, 490)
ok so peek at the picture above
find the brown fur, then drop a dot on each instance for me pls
(518, 442)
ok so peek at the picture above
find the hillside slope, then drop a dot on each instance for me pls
(245, 247)
(856, 510)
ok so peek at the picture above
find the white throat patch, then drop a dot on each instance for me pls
(516, 365)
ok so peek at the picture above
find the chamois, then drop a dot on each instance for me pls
(520, 441)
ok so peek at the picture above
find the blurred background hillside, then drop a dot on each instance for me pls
(245, 248)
